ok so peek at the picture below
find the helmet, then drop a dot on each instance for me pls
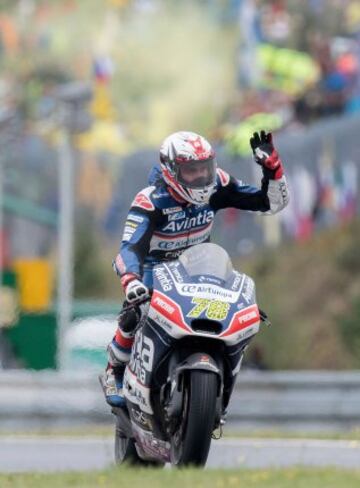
(188, 166)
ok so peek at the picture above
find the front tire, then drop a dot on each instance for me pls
(191, 442)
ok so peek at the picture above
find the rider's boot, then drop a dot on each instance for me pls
(119, 351)
(112, 383)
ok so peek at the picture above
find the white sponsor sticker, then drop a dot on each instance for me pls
(248, 290)
(176, 216)
(128, 233)
(171, 210)
(207, 291)
(136, 218)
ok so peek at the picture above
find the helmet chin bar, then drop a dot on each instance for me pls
(194, 196)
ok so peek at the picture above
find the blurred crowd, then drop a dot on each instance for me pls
(299, 60)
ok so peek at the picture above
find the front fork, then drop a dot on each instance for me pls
(172, 394)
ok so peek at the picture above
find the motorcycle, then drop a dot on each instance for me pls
(187, 351)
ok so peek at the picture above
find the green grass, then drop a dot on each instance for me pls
(191, 478)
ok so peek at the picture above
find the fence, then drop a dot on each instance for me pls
(307, 401)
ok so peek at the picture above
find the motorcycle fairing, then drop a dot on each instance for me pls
(148, 349)
(177, 298)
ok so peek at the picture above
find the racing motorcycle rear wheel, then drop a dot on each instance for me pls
(190, 444)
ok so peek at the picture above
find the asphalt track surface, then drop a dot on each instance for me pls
(21, 454)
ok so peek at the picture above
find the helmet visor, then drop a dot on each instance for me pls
(196, 174)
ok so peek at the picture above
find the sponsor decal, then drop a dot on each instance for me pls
(174, 254)
(136, 392)
(187, 241)
(131, 224)
(167, 245)
(135, 218)
(128, 232)
(130, 229)
(176, 273)
(248, 316)
(243, 320)
(209, 279)
(249, 331)
(163, 278)
(169, 309)
(204, 217)
(164, 305)
(249, 289)
(212, 290)
(171, 210)
(236, 282)
(142, 357)
(141, 418)
(159, 319)
(176, 216)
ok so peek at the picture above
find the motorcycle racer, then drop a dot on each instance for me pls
(176, 212)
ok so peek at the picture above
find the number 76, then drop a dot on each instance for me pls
(214, 309)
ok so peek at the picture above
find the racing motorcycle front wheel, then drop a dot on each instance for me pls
(190, 443)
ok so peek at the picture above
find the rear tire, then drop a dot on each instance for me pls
(191, 442)
(126, 453)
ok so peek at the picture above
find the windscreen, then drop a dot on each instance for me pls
(207, 259)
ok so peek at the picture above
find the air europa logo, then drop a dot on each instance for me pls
(202, 218)
(208, 289)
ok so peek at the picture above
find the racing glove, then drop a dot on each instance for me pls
(135, 290)
(266, 155)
